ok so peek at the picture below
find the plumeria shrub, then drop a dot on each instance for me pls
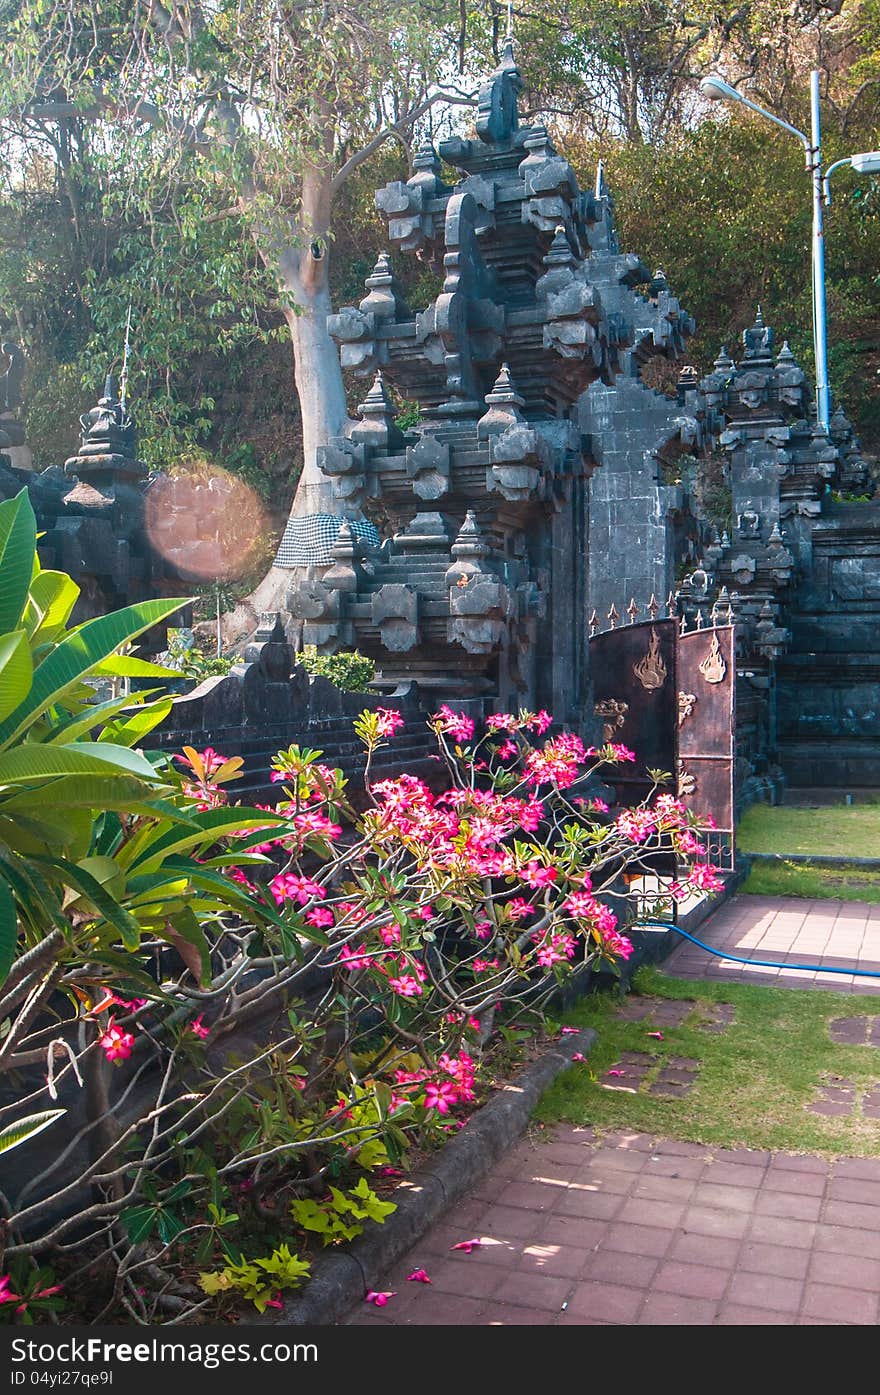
(250, 1014)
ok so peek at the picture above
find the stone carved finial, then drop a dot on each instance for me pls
(497, 112)
(108, 439)
(377, 427)
(723, 363)
(785, 354)
(758, 340)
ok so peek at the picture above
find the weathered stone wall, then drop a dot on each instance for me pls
(267, 704)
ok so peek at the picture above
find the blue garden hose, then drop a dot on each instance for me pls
(760, 963)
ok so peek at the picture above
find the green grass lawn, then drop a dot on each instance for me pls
(793, 879)
(755, 1078)
(835, 830)
(839, 830)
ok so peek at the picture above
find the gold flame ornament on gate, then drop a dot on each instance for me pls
(651, 670)
(713, 667)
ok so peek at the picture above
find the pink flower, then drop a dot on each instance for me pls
(287, 886)
(298, 1082)
(535, 875)
(390, 1172)
(657, 1035)
(569, 1031)
(425, 913)
(389, 934)
(705, 877)
(389, 721)
(405, 985)
(483, 929)
(116, 1044)
(380, 1299)
(617, 945)
(441, 1096)
(636, 824)
(598, 806)
(418, 1276)
(501, 721)
(6, 1294)
(517, 908)
(507, 750)
(320, 915)
(579, 1056)
(455, 724)
(553, 949)
(615, 1072)
(354, 959)
(467, 1245)
(275, 1302)
(198, 1028)
(235, 874)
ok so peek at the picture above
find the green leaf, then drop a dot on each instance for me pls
(8, 931)
(79, 653)
(17, 1133)
(52, 598)
(18, 544)
(104, 904)
(139, 1222)
(42, 762)
(16, 671)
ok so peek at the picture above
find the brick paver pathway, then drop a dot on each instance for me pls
(628, 1229)
(786, 930)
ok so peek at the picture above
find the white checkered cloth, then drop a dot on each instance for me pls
(309, 541)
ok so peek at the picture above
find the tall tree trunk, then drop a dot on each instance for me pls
(303, 274)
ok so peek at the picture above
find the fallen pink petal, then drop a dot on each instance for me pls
(569, 1031)
(379, 1299)
(467, 1245)
(615, 1072)
(579, 1056)
(418, 1276)
(657, 1035)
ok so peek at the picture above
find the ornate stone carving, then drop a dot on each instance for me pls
(713, 667)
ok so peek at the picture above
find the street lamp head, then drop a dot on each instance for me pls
(866, 163)
(717, 90)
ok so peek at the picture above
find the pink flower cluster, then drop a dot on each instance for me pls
(455, 724)
(289, 886)
(558, 762)
(115, 1043)
(389, 721)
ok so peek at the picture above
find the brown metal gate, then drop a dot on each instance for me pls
(669, 697)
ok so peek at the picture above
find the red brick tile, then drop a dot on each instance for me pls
(570, 1230)
(564, 1261)
(653, 1213)
(672, 1148)
(509, 1223)
(867, 1169)
(840, 1304)
(652, 1241)
(730, 1174)
(592, 1205)
(545, 1291)
(444, 1310)
(725, 1198)
(674, 1309)
(621, 1159)
(506, 1315)
(531, 1196)
(780, 1230)
(846, 1271)
(693, 1280)
(664, 1188)
(854, 1189)
(801, 1183)
(473, 1281)
(672, 1166)
(799, 1162)
(616, 1267)
(771, 1291)
(604, 1179)
(606, 1302)
(788, 1204)
(705, 1220)
(851, 1213)
(705, 1249)
(845, 1240)
(782, 1260)
(738, 1315)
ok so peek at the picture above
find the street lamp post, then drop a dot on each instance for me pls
(719, 90)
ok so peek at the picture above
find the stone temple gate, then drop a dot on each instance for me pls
(482, 592)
